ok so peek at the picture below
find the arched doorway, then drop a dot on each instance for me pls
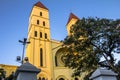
(61, 79)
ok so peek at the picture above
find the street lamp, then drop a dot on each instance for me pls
(24, 42)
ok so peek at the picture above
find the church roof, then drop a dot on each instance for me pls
(39, 4)
(71, 16)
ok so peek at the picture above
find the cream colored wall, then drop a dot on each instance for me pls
(50, 47)
(59, 71)
(8, 68)
(55, 45)
(33, 49)
(36, 10)
(72, 21)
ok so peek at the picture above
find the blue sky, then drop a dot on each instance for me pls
(14, 16)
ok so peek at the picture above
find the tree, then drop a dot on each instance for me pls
(92, 39)
(2, 73)
(11, 76)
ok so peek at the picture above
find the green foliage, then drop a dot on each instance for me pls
(2, 73)
(90, 40)
(11, 76)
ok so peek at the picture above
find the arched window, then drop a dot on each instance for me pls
(43, 23)
(40, 34)
(41, 57)
(35, 33)
(40, 13)
(39, 78)
(37, 21)
(45, 35)
(60, 57)
(43, 78)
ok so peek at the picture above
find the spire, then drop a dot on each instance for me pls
(39, 4)
(71, 16)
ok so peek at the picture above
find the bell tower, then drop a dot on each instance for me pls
(38, 51)
(72, 20)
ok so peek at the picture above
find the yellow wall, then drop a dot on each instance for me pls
(72, 21)
(8, 69)
(51, 48)
(59, 71)
(33, 49)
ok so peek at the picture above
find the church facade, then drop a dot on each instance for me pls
(43, 52)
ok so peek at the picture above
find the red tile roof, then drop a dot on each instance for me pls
(39, 4)
(71, 16)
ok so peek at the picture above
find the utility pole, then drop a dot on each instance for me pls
(24, 42)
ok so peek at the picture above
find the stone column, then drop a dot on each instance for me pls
(27, 72)
(103, 74)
